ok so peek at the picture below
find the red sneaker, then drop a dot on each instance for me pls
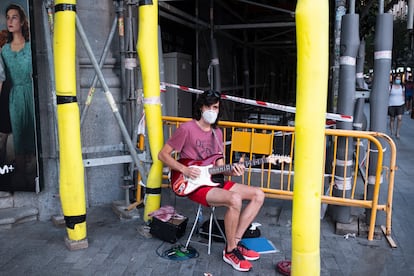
(247, 253)
(236, 260)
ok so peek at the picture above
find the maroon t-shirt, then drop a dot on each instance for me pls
(194, 143)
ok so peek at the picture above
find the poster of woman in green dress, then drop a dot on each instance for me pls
(18, 162)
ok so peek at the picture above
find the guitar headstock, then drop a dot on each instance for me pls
(276, 158)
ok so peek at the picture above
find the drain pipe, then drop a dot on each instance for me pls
(344, 161)
(379, 95)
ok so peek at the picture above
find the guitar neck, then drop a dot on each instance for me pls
(229, 167)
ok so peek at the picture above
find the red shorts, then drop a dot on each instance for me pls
(200, 195)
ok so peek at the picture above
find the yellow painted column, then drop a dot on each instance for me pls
(148, 55)
(71, 180)
(312, 21)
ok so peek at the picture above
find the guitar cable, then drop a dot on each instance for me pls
(178, 252)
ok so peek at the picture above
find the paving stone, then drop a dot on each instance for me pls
(76, 245)
(4, 194)
(347, 228)
(6, 202)
(58, 220)
(6, 226)
(15, 215)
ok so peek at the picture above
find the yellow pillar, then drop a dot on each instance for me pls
(72, 190)
(312, 21)
(148, 55)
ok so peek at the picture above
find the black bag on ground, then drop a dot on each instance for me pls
(215, 232)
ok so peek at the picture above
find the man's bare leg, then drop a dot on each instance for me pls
(233, 202)
(237, 221)
(256, 198)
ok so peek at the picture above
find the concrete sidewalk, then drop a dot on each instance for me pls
(117, 247)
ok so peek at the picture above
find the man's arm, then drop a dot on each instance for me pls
(165, 156)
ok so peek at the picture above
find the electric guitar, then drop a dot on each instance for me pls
(184, 186)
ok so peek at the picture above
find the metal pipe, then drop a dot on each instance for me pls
(111, 100)
(215, 81)
(48, 26)
(255, 25)
(360, 121)
(162, 70)
(246, 69)
(182, 14)
(359, 116)
(176, 19)
(121, 33)
(292, 13)
(105, 51)
(360, 82)
(410, 14)
(380, 6)
(197, 44)
(211, 19)
(340, 10)
(351, 6)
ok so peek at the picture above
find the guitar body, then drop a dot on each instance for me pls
(184, 186)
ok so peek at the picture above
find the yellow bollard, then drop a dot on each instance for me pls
(72, 190)
(148, 55)
(312, 21)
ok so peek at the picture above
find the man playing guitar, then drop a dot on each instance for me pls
(199, 140)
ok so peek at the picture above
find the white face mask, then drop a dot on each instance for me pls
(210, 116)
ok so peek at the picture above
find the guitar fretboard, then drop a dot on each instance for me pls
(229, 167)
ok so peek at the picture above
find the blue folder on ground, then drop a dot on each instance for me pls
(261, 245)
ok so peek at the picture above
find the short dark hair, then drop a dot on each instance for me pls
(207, 98)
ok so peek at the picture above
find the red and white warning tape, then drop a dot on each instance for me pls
(291, 109)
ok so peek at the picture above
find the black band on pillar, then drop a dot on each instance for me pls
(71, 221)
(153, 191)
(66, 99)
(144, 2)
(65, 7)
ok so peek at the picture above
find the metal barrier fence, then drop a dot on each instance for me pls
(277, 180)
